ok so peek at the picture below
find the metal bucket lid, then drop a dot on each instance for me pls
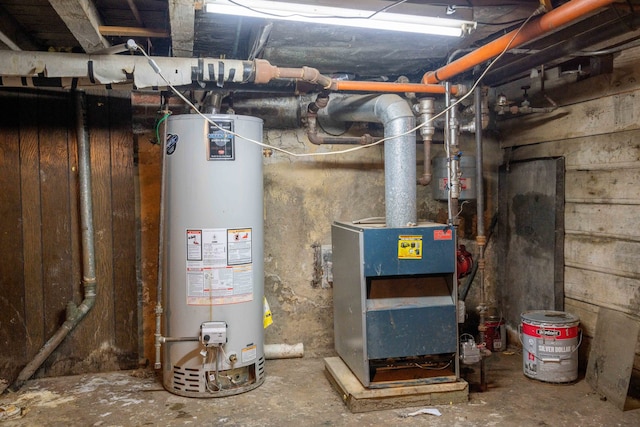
(549, 316)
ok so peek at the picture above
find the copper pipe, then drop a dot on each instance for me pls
(312, 129)
(265, 72)
(556, 18)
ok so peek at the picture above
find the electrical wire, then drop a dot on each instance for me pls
(156, 68)
(158, 140)
(429, 368)
(515, 21)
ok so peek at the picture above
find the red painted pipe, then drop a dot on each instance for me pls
(556, 18)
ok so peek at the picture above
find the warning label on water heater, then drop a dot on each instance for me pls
(219, 266)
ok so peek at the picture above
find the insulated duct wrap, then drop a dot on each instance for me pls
(119, 69)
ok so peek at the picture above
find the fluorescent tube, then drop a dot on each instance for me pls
(340, 16)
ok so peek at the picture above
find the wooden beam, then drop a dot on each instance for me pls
(182, 17)
(8, 42)
(110, 30)
(82, 19)
(12, 34)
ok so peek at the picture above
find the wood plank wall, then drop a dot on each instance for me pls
(40, 237)
(597, 131)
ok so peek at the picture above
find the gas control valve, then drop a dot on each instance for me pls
(213, 334)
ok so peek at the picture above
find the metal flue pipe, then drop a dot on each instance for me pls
(552, 20)
(399, 150)
(74, 313)
(426, 112)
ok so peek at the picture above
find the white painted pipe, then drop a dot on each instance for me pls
(283, 351)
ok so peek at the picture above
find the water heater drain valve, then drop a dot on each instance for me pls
(213, 334)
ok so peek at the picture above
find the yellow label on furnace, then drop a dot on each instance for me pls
(409, 247)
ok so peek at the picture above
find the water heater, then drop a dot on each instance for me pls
(213, 267)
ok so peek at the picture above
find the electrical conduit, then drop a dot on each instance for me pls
(74, 313)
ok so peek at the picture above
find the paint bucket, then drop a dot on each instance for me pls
(549, 345)
(495, 335)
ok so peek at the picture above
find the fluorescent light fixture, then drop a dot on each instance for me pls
(340, 16)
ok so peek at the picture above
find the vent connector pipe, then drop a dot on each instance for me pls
(399, 147)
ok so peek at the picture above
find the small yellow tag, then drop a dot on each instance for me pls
(267, 319)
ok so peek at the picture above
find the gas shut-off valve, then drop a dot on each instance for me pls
(470, 352)
(213, 334)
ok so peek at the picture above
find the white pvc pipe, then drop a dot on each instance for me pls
(283, 351)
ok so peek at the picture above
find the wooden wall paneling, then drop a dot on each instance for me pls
(603, 220)
(588, 314)
(620, 186)
(124, 231)
(74, 202)
(603, 152)
(611, 256)
(619, 112)
(603, 289)
(565, 90)
(31, 223)
(12, 310)
(98, 326)
(56, 222)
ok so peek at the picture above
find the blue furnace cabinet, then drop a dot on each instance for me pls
(395, 301)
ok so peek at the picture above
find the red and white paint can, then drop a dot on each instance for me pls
(550, 340)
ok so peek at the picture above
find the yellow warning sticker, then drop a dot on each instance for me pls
(409, 247)
(267, 318)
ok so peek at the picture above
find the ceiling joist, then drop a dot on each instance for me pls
(82, 19)
(181, 16)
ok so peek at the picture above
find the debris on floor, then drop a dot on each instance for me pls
(10, 412)
(428, 411)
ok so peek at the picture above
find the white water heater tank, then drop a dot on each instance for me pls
(213, 266)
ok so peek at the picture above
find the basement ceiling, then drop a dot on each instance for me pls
(182, 28)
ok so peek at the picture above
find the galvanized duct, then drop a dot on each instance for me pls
(399, 151)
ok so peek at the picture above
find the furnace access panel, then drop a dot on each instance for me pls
(395, 302)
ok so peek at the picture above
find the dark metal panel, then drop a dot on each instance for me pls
(348, 300)
(610, 369)
(531, 237)
(411, 331)
(381, 251)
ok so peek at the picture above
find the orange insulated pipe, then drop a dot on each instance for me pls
(365, 86)
(560, 16)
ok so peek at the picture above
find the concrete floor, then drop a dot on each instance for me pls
(297, 393)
